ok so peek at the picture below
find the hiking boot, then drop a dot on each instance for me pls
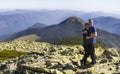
(92, 63)
(82, 63)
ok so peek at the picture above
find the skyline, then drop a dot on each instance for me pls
(80, 5)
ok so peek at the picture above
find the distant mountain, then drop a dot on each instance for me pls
(38, 26)
(18, 20)
(116, 28)
(71, 27)
(89, 15)
(14, 21)
(110, 39)
(96, 14)
(109, 24)
(4, 37)
(35, 26)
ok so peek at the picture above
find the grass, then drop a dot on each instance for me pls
(8, 54)
(101, 45)
(70, 41)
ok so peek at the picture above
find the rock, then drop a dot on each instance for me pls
(67, 52)
(68, 72)
(1, 72)
(3, 66)
(110, 69)
(48, 63)
(52, 49)
(68, 66)
(74, 62)
(12, 66)
(57, 72)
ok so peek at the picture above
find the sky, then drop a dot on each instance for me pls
(81, 5)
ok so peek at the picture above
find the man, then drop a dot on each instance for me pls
(91, 41)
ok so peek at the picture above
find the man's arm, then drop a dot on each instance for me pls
(92, 35)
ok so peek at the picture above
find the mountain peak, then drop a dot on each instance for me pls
(38, 26)
(73, 19)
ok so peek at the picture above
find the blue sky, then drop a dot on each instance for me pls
(85, 5)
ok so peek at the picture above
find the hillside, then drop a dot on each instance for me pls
(48, 58)
(109, 24)
(35, 26)
(71, 27)
(117, 27)
(38, 26)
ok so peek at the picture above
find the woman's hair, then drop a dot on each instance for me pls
(86, 24)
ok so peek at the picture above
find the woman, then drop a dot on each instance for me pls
(85, 34)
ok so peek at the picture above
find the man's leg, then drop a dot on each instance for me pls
(93, 57)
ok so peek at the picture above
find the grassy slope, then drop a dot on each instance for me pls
(8, 54)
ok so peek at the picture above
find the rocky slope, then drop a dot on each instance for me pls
(45, 58)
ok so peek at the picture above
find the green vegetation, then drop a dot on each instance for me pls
(98, 44)
(69, 41)
(31, 37)
(8, 54)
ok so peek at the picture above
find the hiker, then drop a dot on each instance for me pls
(89, 47)
(84, 32)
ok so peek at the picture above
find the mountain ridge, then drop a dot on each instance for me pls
(109, 24)
(68, 28)
(18, 20)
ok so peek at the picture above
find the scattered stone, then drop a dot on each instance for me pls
(44, 58)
